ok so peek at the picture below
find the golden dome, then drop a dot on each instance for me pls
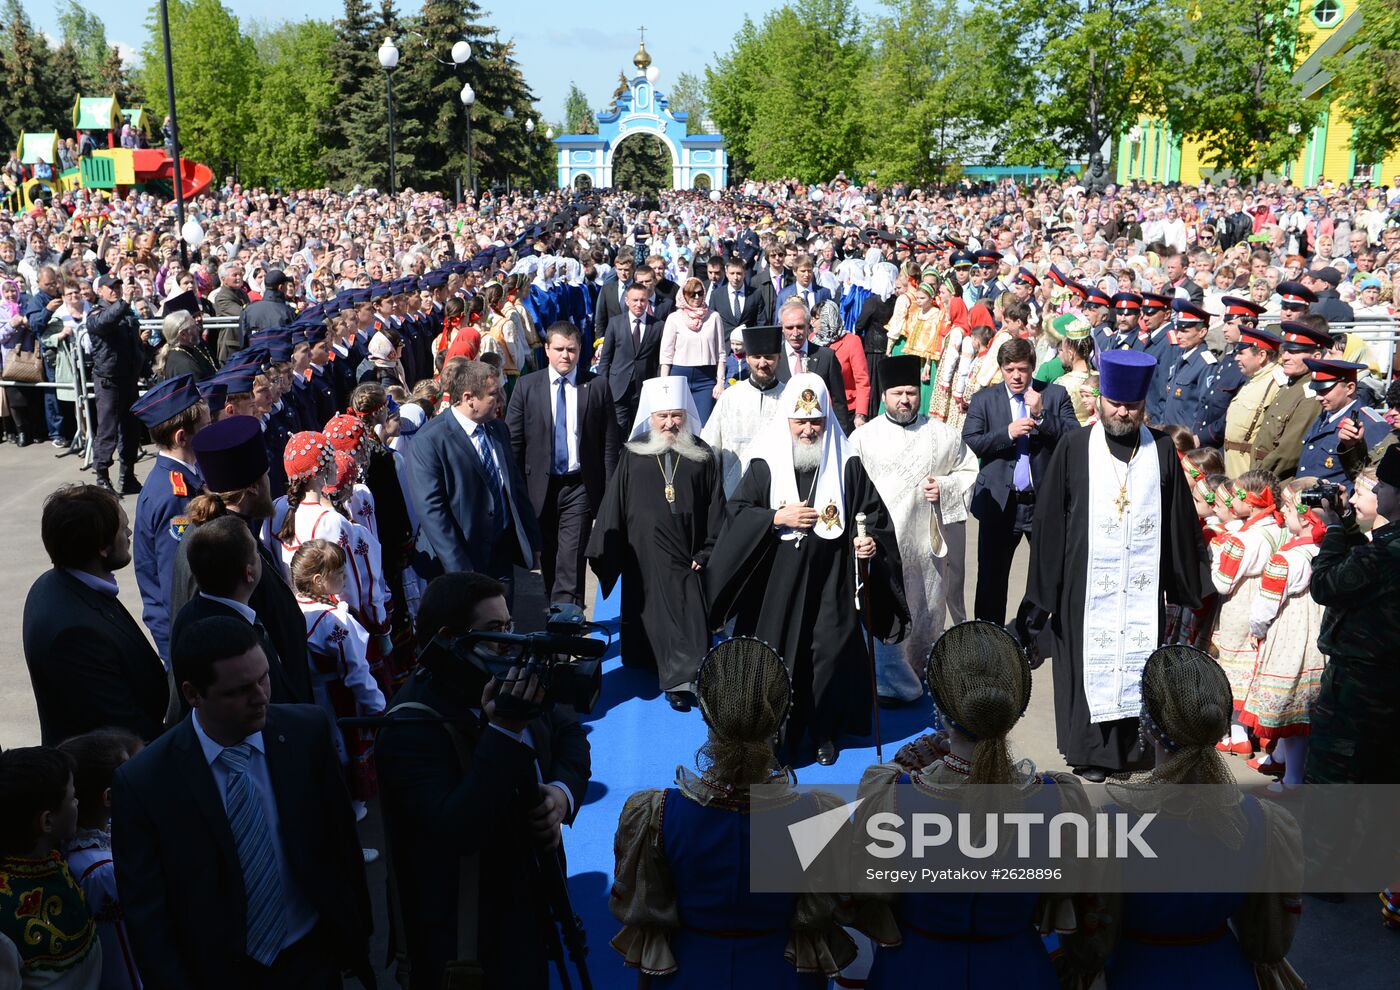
(642, 59)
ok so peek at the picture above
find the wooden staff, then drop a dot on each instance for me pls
(863, 591)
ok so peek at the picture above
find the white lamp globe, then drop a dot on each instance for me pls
(389, 55)
(530, 125)
(714, 196)
(468, 94)
(461, 51)
(549, 133)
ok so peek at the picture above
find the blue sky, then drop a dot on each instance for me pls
(557, 42)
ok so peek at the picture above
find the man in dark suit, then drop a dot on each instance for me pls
(1013, 431)
(714, 274)
(470, 496)
(223, 558)
(565, 437)
(234, 839)
(630, 355)
(800, 354)
(478, 795)
(612, 297)
(804, 285)
(659, 304)
(771, 279)
(736, 304)
(232, 457)
(665, 288)
(89, 662)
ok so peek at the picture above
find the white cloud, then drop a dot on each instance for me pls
(131, 57)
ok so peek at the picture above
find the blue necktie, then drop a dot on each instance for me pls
(483, 448)
(262, 882)
(1021, 478)
(561, 431)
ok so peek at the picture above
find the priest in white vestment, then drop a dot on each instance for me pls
(925, 475)
(1116, 539)
(745, 406)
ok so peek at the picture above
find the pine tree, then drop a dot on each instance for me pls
(113, 77)
(352, 131)
(26, 65)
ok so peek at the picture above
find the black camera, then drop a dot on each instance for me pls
(565, 658)
(1324, 493)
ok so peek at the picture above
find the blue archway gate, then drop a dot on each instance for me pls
(697, 160)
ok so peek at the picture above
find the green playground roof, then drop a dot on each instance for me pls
(34, 145)
(97, 113)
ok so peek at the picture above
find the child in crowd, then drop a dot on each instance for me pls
(1285, 622)
(96, 757)
(1237, 570)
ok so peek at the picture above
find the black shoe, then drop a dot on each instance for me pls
(680, 700)
(1094, 775)
(104, 480)
(130, 486)
(23, 440)
(826, 753)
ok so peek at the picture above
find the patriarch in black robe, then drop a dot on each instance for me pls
(785, 566)
(1096, 702)
(655, 529)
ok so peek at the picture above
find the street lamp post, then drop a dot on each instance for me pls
(389, 61)
(468, 98)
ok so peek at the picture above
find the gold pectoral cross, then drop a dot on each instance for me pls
(1122, 501)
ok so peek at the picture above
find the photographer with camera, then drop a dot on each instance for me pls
(476, 778)
(1359, 584)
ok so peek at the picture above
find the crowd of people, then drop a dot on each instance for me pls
(764, 415)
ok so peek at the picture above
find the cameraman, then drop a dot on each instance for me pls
(1359, 584)
(467, 799)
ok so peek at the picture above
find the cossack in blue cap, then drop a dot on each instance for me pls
(1125, 376)
(1301, 337)
(166, 400)
(213, 391)
(378, 291)
(231, 453)
(1188, 312)
(238, 380)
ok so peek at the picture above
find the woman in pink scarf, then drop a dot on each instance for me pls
(693, 346)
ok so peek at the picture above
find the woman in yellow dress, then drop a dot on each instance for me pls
(1075, 352)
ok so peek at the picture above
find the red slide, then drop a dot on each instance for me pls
(150, 164)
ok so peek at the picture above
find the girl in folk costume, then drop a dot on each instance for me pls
(1199, 462)
(346, 432)
(499, 335)
(1237, 570)
(906, 286)
(525, 327)
(1076, 352)
(1226, 496)
(337, 644)
(981, 685)
(1286, 621)
(370, 596)
(954, 362)
(458, 338)
(985, 371)
(1193, 626)
(1087, 399)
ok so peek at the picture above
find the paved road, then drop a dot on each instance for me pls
(1341, 946)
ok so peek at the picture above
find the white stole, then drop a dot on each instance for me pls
(1122, 596)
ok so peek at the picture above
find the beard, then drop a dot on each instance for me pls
(1117, 427)
(806, 456)
(902, 418)
(682, 444)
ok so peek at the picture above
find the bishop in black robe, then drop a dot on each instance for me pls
(652, 544)
(1059, 578)
(798, 596)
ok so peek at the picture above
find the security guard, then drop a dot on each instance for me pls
(1189, 377)
(173, 412)
(1334, 386)
(1291, 413)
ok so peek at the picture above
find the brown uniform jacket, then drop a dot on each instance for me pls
(1279, 442)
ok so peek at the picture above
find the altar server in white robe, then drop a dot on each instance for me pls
(745, 406)
(925, 475)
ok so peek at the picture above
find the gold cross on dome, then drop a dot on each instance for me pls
(643, 31)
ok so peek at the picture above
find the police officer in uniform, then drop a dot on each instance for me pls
(1189, 377)
(173, 412)
(118, 355)
(1291, 412)
(1334, 386)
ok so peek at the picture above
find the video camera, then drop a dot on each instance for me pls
(1324, 494)
(567, 661)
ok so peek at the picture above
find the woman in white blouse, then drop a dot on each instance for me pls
(693, 346)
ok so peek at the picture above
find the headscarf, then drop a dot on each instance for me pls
(829, 324)
(695, 316)
(882, 280)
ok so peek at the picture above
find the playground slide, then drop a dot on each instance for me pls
(151, 164)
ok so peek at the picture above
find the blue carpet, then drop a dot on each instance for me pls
(637, 743)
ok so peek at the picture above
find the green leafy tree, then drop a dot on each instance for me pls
(785, 95)
(1091, 68)
(687, 95)
(1237, 96)
(352, 130)
(84, 31)
(1367, 78)
(27, 62)
(642, 164)
(216, 74)
(297, 68)
(578, 115)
